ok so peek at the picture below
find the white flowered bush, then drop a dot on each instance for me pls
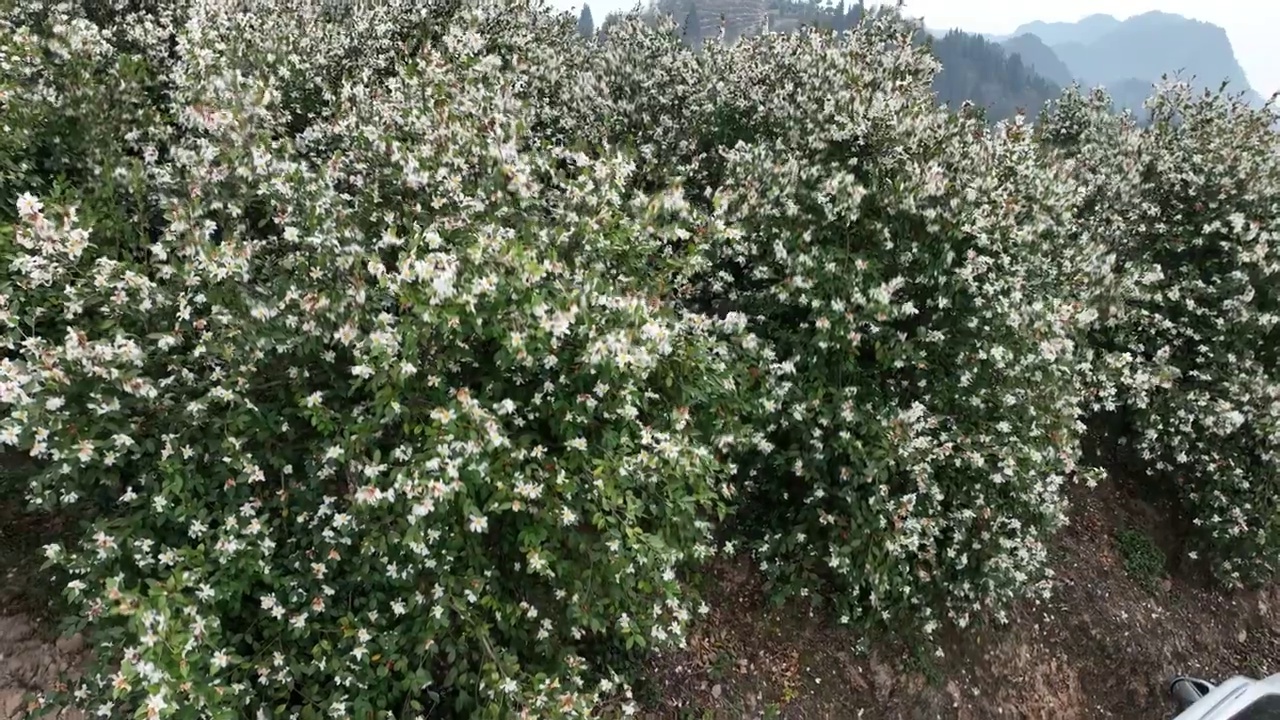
(72, 108)
(920, 422)
(1188, 206)
(924, 417)
(375, 400)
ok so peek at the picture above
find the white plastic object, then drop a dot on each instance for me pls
(1230, 698)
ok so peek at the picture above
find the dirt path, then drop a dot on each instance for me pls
(31, 657)
(1102, 647)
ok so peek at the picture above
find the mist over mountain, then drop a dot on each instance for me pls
(1040, 58)
(1129, 56)
(1085, 30)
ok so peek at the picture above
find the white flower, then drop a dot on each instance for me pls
(156, 703)
(567, 517)
(29, 205)
(477, 523)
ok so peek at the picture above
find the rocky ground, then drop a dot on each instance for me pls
(1104, 646)
(31, 661)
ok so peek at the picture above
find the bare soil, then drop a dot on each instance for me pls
(30, 662)
(1103, 646)
(32, 656)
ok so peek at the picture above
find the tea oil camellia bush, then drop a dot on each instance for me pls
(921, 418)
(1189, 207)
(383, 410)
(924, 415)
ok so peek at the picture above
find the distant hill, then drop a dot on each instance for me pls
(1130, 93)
(740, 17)
(1129, 56)
(1085, 30)
(1040, 57)
(979, 70)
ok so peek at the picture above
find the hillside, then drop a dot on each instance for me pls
(465, 362)
(976, 69)
(1085, 30)
(1039, 57)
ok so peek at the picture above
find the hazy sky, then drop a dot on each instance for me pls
(1252, 25)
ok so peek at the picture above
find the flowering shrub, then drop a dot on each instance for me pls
(1187, 207)
(405, 359)
(921, 418)
(924, 414)
(379, 408)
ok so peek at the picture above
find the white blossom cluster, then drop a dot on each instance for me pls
(925, 412)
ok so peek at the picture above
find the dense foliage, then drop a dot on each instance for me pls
(405, 361)
(1189, 207)
(383, 408)
(921, 417)
(924, 415)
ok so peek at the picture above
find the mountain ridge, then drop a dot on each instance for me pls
(1085, 29)
(1039, 57)
(1129, 56)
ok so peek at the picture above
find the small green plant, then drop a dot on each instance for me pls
(1143, 561)
(722, 665)
(921, 661)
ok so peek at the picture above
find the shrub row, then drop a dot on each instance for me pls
(405, 362)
